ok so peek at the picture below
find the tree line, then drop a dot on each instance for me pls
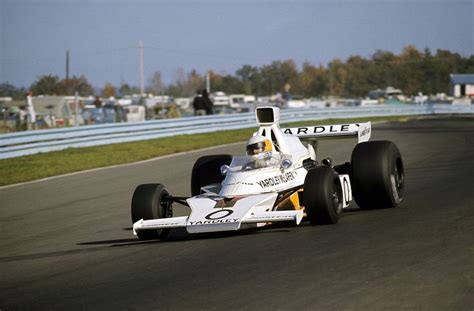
(412, 71)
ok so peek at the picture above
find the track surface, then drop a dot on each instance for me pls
(66, 243)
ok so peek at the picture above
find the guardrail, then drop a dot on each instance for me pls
(42, 141)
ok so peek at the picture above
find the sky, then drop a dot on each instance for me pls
(223, 35)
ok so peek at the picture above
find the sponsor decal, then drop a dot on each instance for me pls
(276, 180)
(318, 129)
(216, 218)
(216, 221)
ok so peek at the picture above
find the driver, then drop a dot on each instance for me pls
(259, 149)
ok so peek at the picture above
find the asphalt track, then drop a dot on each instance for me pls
(66, 243)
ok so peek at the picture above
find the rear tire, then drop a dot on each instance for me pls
(377, 175)
(207, 170)
(147, 203)
(322, 196)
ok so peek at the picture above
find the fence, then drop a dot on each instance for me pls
(42, 141)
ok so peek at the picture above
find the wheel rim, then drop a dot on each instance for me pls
(337, 196)
(399, 175)
(164, 211)
(398, 181)
(165, 206)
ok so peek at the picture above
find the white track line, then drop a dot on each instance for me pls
(118, 165)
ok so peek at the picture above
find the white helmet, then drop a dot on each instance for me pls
(258, 144)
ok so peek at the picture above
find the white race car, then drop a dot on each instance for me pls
(278, 180)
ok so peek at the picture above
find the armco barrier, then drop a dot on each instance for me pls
(41, 141)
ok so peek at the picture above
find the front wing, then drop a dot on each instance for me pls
(253, 210)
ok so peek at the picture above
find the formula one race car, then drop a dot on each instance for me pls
(277, 180)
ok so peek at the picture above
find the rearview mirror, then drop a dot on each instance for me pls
(224, 169)
(286, 163)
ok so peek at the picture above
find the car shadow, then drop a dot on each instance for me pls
(180, 235)
(352, 209)
(105, 242)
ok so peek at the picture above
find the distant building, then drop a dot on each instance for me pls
(389, 92)
(462, 85)
(58, 106)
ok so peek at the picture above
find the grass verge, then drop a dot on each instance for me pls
(43, 165)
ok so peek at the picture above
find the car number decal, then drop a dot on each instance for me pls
(213, 216)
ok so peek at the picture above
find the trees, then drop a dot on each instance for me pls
(186, 85)
(227, 83)
(357, 80)
(337, 71)
(109, 90)
(126, 89)
(75, 84)
(313, 80)
(156, 86)
(51, 85)
(446, 63)
(46, 85)
(194, 82)
(251, 79)
(469, 65)
(382, 70)
(276, 75)
(9, 90)
(411, 71)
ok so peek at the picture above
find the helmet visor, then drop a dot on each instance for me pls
(256, 148)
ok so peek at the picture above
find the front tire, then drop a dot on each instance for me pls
(323, 197)
(149, 202)
(378, 179)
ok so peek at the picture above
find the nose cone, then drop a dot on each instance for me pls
(238, 189)
(229, 185)
(228, 191)
(238, 184)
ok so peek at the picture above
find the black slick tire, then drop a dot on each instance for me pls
(149, 202)
(323, 199)
(377, 175)
(207, 170)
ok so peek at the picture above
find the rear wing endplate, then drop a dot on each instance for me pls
(360, 130)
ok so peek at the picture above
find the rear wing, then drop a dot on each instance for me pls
(360, 130)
